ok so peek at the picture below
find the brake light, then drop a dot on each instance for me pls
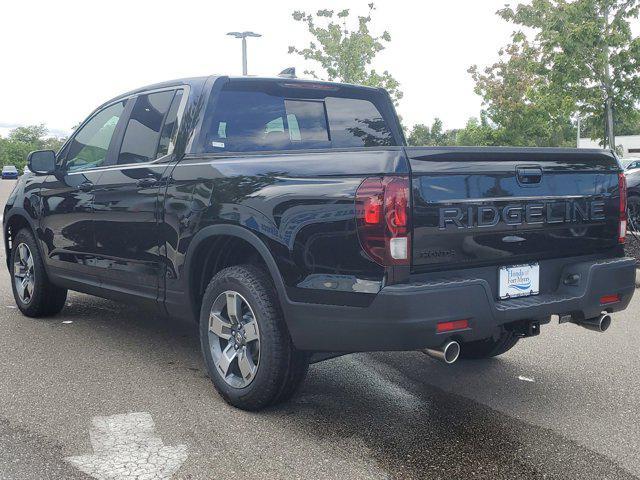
(622, 187)
(382, 214)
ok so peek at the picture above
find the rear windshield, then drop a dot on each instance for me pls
(266, 116)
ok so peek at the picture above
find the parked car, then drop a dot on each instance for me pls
(290, 219)
(9, 172)
(633, 182)
(630, 163)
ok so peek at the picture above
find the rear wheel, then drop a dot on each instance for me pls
(34, 294)
(246, 346)
(489, 347)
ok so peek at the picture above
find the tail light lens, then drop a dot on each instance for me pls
(622, 187)
(383, 215)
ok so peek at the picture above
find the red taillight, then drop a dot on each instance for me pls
(622, 187)
(454, 325)
(609, 299)
(382, 213)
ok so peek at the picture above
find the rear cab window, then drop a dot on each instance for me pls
(250, 116)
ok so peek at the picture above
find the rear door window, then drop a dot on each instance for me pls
(263, 117)
(142, 138)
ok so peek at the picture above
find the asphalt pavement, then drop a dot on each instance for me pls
(562, 405)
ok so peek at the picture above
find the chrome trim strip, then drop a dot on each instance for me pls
(515, 199)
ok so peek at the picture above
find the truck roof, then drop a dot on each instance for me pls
(201, 80)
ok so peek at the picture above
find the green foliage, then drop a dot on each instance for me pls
(431, 136)
(344, 54)
(22, 140)
(569, 57)
(478, 132)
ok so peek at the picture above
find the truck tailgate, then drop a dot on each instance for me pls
(509, 205)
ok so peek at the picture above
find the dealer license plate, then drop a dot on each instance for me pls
(519, 281)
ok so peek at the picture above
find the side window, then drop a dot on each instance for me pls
(246, 119)
(88, 148)
(170, 125)
(356, 123)
(142, 135)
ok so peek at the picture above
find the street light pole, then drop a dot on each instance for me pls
(611, 138)
(243, 36)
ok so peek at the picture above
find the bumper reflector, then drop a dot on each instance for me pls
(453, 325)
(609, 299)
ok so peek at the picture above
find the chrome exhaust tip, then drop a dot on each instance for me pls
(597, 324)
(448, 353)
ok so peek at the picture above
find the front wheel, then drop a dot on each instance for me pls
(34, 294)
(246, 346)
(489, 347)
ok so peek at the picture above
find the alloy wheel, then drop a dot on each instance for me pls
(24, 273)
(234, 339)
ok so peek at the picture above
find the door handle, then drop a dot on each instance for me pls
(529, 175)
(85, 187)
(147, 182)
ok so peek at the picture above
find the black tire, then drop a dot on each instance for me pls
(488, 347)
(47, 299)
(281, 368)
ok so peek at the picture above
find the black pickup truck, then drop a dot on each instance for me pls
(290, 220)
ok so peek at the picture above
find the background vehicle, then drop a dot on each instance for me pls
(289, 218)
(630, 163)
(633, 183)
(9, 172)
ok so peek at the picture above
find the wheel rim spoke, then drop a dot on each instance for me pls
(19, 270)
(23, 253)
(251, 331)
(224, 362)
(234, 307)
(21, 285)
(28, 288)
(218, 326)
(246, 365)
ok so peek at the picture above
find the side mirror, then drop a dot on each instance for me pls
(42, 162)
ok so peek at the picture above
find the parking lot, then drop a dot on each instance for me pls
(561, 405)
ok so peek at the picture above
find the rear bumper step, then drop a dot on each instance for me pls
(405, 317)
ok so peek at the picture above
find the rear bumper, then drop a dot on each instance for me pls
(404, 317)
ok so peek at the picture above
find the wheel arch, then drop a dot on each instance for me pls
(201, 261)
(16, 221)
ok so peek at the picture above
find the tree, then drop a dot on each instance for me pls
(29, 134)
(478, 132)
(583, 58)
(22, 140)
(517, 100)
(345, 55)
(435, 135)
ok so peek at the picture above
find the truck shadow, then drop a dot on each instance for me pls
(375, 405)
(415, 430)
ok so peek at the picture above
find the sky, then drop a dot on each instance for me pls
(61, 59)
